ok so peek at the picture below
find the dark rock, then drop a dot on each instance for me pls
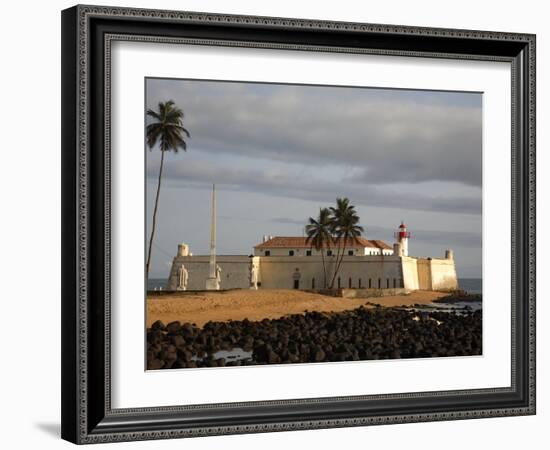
(158, 325)
(178, 340)
(155, 364)
(184, 354)
(155, 336)
(168, 353)
(173, 327)
(318, 354)
(272, 357)
(188, 330)
(361, 334)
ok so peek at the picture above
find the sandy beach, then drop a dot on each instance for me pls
(262, 304)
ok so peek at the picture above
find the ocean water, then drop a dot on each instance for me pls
(156, 283)
(470, 285)
(235, 354)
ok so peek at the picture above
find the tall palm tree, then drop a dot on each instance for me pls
(167, 130)
(319, 235)
(345, 229)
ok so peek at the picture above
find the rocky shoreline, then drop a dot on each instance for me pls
(459, 297)
(358, 334)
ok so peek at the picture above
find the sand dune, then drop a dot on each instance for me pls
(199, 308)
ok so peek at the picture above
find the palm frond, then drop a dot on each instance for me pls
(167, 130)
(154, 115)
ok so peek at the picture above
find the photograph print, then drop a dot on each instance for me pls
(292, 223)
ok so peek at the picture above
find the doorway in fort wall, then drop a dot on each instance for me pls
(296, 279)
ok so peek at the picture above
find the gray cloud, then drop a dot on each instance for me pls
(390, 136)
(312, 187)
(288, 220)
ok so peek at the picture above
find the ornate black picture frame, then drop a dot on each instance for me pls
(87, 34)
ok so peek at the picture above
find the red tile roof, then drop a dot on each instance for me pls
(300, 242)
(381, 244)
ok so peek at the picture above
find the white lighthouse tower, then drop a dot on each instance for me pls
(402, 237)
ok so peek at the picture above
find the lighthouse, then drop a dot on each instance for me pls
(402, 237)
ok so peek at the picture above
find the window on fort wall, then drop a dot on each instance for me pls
(291, 253)
(329, 252)
(350, 252)
(349, 282)
(308, 252)
(313, 283)
(267, 253)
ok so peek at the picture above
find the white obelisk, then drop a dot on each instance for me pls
(212, 282)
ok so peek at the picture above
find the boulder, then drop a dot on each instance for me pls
(158, 325)
(173, 327)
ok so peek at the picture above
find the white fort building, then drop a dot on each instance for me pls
(289, 262)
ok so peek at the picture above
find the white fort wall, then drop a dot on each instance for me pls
(443, 274)
(431, 274)
(283, 272)
(234, 275)
(410, 272)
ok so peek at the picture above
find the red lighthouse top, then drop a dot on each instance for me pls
(402, 234)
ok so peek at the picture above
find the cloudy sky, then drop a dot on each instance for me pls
(279, 152)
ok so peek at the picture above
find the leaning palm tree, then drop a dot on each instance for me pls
(345, 229)
(319, 235)
(167, 130)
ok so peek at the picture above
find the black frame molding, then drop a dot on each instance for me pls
(87, 33)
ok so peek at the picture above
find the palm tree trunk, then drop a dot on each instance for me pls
(324, 269)
(343, 252)
(339, 261)
(336, 267)
(154, 223)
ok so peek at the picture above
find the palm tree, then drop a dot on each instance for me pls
(319, 235)
(167, 130)
(345, 228)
